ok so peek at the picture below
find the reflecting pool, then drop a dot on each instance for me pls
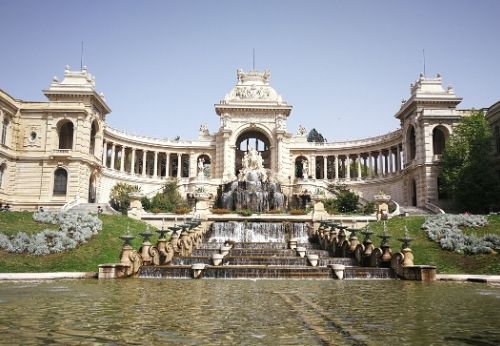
(245, 312)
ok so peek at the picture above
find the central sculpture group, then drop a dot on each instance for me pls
(253, 190)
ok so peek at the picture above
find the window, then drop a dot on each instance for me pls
(93, 133)
(438, 140)
(2, 170)
(5, 125)
(66, 136)
(60, 181)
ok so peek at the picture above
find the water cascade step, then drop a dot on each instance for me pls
(261, 251)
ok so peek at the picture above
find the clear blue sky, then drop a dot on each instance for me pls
(343, 65)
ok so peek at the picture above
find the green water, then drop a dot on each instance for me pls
(244, 312)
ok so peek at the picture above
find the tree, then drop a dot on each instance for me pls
(315, 136)
(346, 201)
(468, 172)
(119, 197)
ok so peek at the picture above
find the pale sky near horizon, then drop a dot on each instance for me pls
(343, 65)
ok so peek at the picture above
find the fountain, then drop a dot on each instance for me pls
(253, 190)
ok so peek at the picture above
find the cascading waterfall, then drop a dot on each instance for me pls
(257, 232)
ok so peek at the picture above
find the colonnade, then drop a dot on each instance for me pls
(151, 163)
(356, 166)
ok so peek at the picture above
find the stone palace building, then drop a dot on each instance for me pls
(62, 151)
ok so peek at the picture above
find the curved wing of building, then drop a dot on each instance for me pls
(61, 151)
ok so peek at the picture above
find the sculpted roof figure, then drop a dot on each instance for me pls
(253, 87)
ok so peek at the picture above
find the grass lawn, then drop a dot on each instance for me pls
(14, 222)
(428, 252)
(105, 247)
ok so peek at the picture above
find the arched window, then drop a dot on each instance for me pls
(439, 135)
(93, 132)
(301, 162)
(5, 126)
(203, 166)
(411, 143)
(60, 181)
(2, 173)
(66, 136)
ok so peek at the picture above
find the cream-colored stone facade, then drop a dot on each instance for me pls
(61, 151)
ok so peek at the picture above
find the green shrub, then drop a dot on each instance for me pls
(119, 197)
(297, 212)
(220, 211)
(245, 212)
(182, 210)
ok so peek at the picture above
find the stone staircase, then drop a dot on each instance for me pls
(415, 211)
(92, 208)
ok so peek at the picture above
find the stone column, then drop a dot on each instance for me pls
(380, 168)
(398, 159)
(391, 164)
(325, 167)
(167, 164)
(370, 166)
(105, 154)
(359, 166)
(336, 164)
(179, 165)
(312, 167)
(144, 157)
(155, 167)
(113, 150)
(122, 160)
(132, 162)
(347, 167)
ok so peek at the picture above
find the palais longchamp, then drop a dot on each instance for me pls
(61, 152)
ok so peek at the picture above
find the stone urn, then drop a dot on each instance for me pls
(338, 269)
(292, 243)
(313, 260)
(217, 259)
(301, 251)
(197, 269)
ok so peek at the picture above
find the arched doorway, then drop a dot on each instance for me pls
(93, 133)
(413, 192)
(92, 189)
(411, 143)
(252, 140)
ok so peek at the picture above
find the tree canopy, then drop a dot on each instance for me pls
(468, 172)
(315, 136)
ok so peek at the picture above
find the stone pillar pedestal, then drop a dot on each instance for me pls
(319, 211)
(382, 201)
(202, 206)
(136, 210)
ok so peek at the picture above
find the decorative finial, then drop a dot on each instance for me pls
(55, 79)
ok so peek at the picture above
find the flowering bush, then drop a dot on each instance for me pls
(444, 230)
(74, 229)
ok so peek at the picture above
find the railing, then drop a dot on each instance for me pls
(71, 204)
(434, 208)
(61, 152)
